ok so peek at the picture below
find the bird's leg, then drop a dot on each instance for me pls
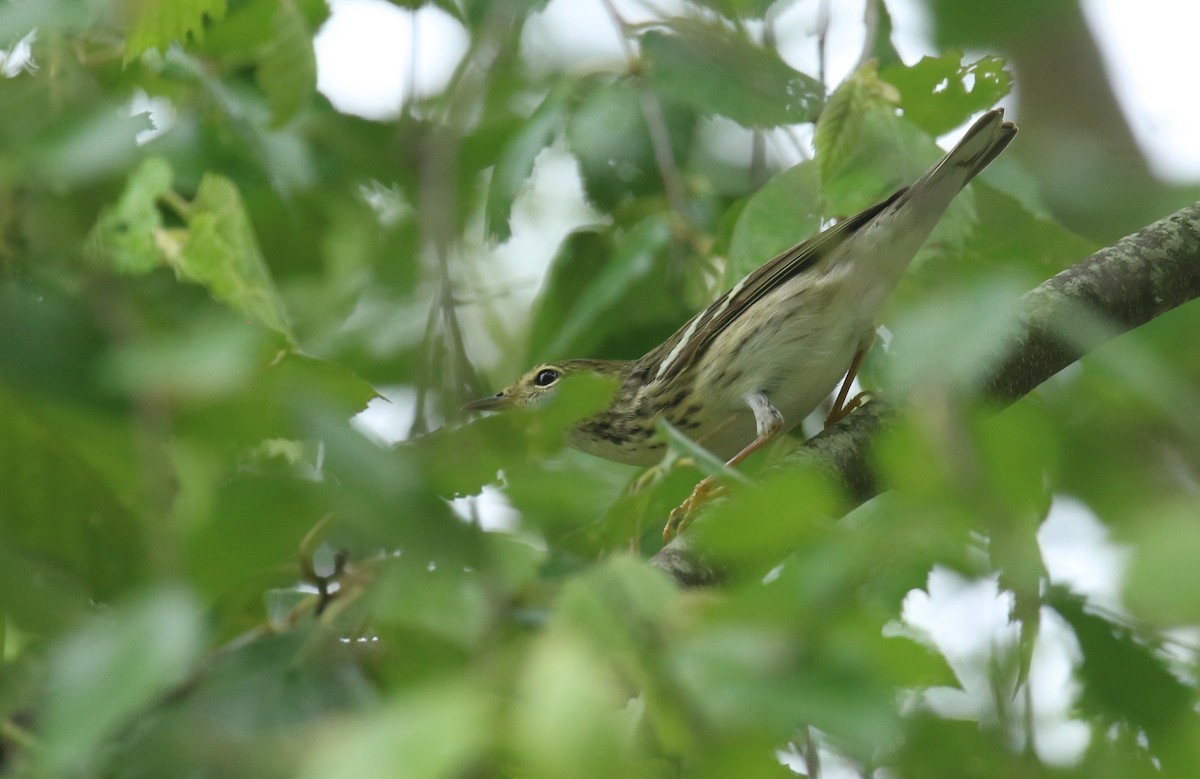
(769, 422)
(841, 408)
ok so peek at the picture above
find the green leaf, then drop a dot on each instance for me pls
(87, 145)
(79, 524)
(1124, 681)
(580, 259)
(515, 164)
(250, 537)
(433, 731)
(940, 93)
(740, 9)
(962, 23)
(18, 19)
(1010, 235)
(783, 213)
(716, 72)
(1163, 585)
(632, 263)
(608, 135)
(222, 254)
(567, 717)
(863, 149)
(155, 24)
(112, 667)
(450, 604)
(946, 338)
(618, 606)
(126, 235)
(708, 463)
(287, 71)
(209, 357)
(883, 49)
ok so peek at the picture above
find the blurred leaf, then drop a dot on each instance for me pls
(218, 249)
(1008, 233)
(755, 677)
(948, 338)
(1162, 585)
(568, 718)
(449, 603)
(36, 594)
(788, 510)
(623, 607)
(789, 199)
(154, 24)
(631, 264)
(1124, 681)
(718, 73)
(515, 164)
(959, 22)
(250, 538)
(288, 70)
(608, 135)
(111, 667)
(866, 152)
(261, 701)
(744, 9)
(77, 523)
(246, 28)
(882, 48)
(942, 746)
(940, 93)
(46, 336)
(81, 148)
(707, 462)
(18, 19)
(126, 234)
(277, 397)
(222, 254)
(212, 358)
(581, 258)
(431, 732)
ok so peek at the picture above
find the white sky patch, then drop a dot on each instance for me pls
(371, 54)
(162, 115)
(388, 419)
(490, 508)
(1079, 552)
(19, 58)
(1150, 50)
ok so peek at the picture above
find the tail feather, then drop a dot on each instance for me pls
(989, 136)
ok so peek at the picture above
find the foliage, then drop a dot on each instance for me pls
(207, 570)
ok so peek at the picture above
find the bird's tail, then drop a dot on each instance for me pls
(982, 143)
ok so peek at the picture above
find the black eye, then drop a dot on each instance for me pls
(546, 377)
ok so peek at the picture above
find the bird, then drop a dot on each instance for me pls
(762, 356)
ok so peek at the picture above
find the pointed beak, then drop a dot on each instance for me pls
(497, 402)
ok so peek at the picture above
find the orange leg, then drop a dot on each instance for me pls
(770, 425)
(840, 407)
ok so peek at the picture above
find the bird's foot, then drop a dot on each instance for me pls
(838, 414)
(682, 515)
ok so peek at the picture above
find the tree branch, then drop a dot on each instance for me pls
(1120, 287)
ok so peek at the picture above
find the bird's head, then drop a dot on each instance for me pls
(541, 382)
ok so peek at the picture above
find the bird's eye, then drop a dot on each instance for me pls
(545, 377)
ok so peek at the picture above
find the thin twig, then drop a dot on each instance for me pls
(871, 28)
(660, 137)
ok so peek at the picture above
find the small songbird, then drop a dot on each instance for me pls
(760, 358)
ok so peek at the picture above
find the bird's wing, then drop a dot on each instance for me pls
(682, 349)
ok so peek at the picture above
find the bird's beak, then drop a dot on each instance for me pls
(492, 403)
